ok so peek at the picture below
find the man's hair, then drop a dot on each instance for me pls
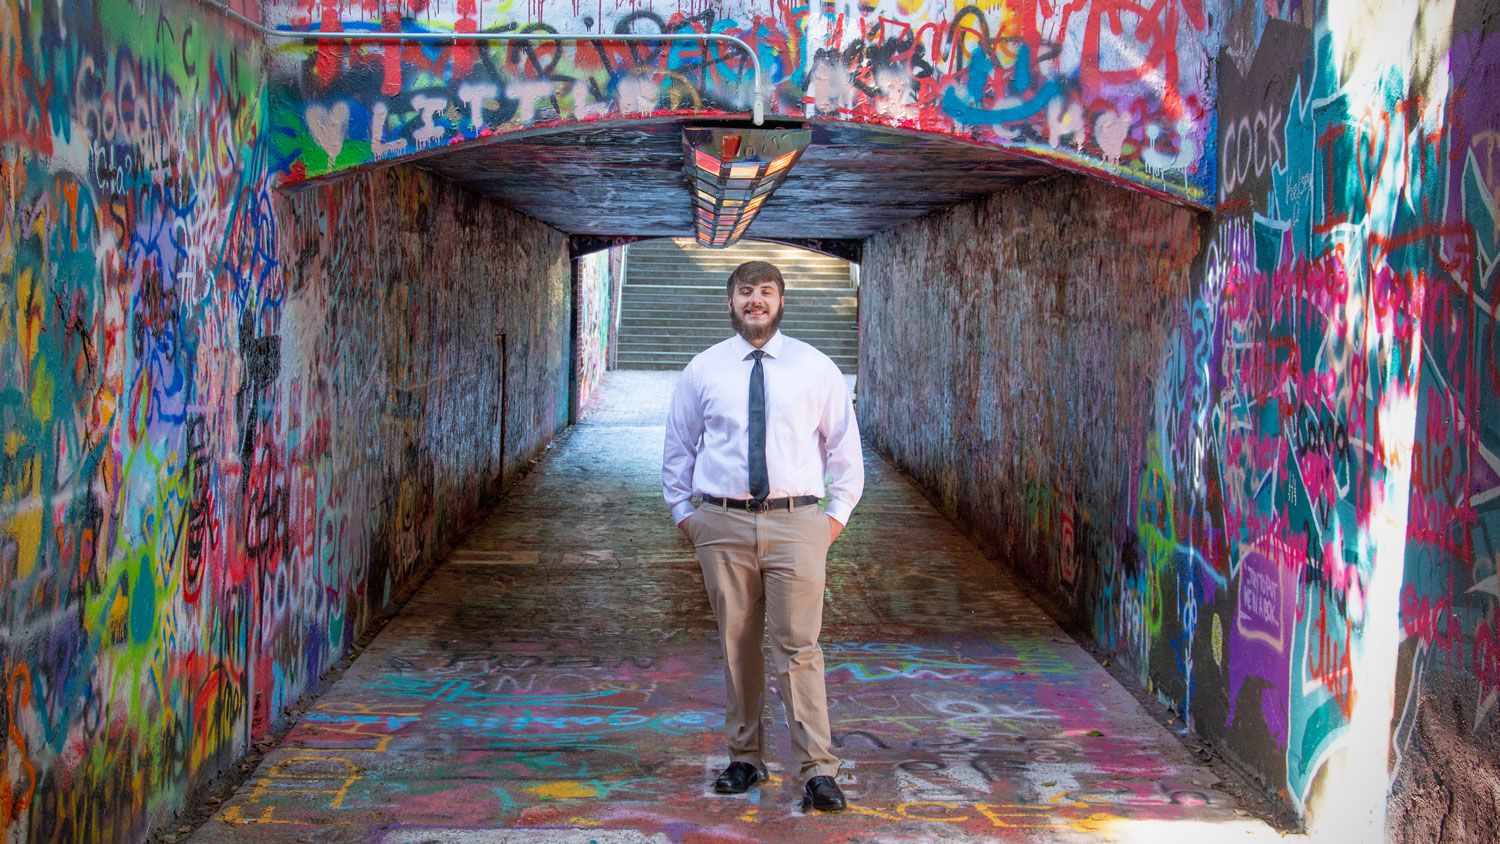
(753, 272)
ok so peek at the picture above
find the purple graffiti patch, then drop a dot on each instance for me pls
(1259, 639)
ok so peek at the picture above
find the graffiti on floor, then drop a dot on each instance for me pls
(583, 691)
(549, 735)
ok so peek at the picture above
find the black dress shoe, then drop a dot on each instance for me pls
(737, 778)
(822, 794)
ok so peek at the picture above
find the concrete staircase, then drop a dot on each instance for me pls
(673, 305)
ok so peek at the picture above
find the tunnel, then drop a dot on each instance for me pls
(327, 511)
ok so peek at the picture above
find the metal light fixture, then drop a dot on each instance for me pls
(733, 172)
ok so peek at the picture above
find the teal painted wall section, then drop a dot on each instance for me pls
(236, 425)
(1122, 89)
(1270, 485)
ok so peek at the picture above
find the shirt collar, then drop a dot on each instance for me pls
(772, 348)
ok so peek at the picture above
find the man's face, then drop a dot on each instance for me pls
(755, 309)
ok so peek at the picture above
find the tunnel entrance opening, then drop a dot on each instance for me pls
(653, 304)
(673, 301)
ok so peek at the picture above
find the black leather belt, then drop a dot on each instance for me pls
(753, 506)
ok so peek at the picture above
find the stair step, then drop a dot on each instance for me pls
(688, 265)
(677, 320)
(689, 345)
(720, 317)
(793, 310)
(716, 282)
(719, 300)
(781, 261)
(715, 333)
(684, 260)
(721, 325)
(719, 331)
(719, 294)
(699, 294)
(660, 297)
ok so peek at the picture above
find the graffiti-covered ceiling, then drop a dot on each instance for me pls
(1125, 92)
(628, 179)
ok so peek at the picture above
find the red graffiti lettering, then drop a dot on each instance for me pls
(1432, 622)
(1329, 663)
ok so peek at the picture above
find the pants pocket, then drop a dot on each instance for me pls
(695, 525)
(821, 530)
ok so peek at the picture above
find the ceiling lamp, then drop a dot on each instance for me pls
(733, 172)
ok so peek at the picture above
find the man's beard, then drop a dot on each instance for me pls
(755, 333)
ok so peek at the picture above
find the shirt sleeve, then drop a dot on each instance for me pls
(680, 449)
(843, 456)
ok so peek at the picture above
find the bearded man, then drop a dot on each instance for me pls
(756, 423)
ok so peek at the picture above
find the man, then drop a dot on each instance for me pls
(755, 423)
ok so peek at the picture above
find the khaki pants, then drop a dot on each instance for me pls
(764, 573)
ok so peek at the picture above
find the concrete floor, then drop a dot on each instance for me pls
(557, 679)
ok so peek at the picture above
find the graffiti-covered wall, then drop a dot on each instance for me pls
(598, 289)
(1007, 357)
(1119, 87)
(1278, 496)
(1339, 383)
(235, 424)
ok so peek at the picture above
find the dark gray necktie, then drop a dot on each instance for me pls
(760, 484)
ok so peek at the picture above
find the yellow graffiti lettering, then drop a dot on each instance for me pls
(308, 774)
(335, 735)
(347, 707)
(874, 813)
(236, 815)
(992, 816)
(905, 811)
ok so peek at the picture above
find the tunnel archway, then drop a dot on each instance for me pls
(1135, 107)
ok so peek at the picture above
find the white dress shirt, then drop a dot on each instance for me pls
(810, 427)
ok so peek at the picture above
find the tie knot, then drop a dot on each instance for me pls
(758, 354)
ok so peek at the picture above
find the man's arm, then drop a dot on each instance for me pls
(843, 456)
(680, 449)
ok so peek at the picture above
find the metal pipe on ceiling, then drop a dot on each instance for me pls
(758, 108)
